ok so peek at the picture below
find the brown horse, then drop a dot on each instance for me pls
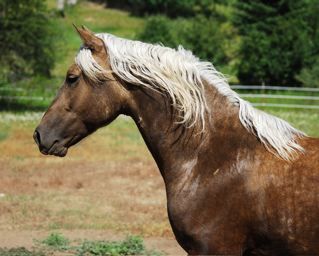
(238, 181)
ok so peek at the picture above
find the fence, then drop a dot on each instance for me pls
(259, 96)
(13, 98)
(279, 96)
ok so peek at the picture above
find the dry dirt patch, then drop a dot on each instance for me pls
(108, 182)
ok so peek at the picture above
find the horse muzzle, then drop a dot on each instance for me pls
(49, 144)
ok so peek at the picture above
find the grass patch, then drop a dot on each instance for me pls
(56, 242)
(21, 251)
(131, 246)
(304, 120)
(4, 132)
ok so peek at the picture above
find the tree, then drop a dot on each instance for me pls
(169, 8)
(203, 36)
(276, 40)
(26, 41)
(309, 75)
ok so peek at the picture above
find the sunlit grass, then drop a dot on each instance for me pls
(98, 19)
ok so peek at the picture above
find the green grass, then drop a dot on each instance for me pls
(55, 242)
(4, 132)
(304, 120)
(130, 246)
(302, 101)
(96, 18)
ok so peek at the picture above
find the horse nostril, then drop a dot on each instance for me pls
(36, 137)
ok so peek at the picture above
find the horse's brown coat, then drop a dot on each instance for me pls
(226, 194)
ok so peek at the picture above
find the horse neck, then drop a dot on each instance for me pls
(174, 146)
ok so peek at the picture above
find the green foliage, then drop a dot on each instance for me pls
(277, 39)
(206, 37)
(158, 29)
(57, 241)
(26, 41)
(66, 44)
(170, 8)
(130, 246)
(309, 76)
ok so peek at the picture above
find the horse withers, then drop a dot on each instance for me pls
(238, 181)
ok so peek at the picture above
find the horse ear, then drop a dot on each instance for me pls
(89, 39)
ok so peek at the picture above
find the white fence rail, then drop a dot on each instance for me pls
(303, 98)
(274, 88)
(265, 93)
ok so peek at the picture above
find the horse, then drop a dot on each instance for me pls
(238, 181)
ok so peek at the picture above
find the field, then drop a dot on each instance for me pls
(108, 186)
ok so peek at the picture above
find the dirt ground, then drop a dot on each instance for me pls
(107, 187)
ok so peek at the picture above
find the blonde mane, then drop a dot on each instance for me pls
(180, 74)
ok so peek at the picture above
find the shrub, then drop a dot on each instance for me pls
(130, 246)
(170, 8)
(277, 40)
(309, 76)
(25, 40)
(206, 37)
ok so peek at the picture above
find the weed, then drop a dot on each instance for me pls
(56, 241)
(132, 245)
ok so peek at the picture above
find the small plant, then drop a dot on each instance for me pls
(56, 241)
(131, 246)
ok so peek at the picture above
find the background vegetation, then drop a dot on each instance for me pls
(26, 40)
(253, 42)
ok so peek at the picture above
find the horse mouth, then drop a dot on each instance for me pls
(61, 149)
(55, 150)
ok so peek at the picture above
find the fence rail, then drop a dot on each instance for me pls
(272, 93)
(30, 98)
(265, 95)
(279, 96)
(274, 88)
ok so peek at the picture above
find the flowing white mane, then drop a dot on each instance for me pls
(181, 74)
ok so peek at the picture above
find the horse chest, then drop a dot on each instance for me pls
(202, 221)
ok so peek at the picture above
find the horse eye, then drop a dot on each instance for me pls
(71, 79)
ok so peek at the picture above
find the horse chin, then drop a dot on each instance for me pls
(61, 153)
(58, 151)
(60, 148)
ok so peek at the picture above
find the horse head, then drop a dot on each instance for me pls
(85, 102)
